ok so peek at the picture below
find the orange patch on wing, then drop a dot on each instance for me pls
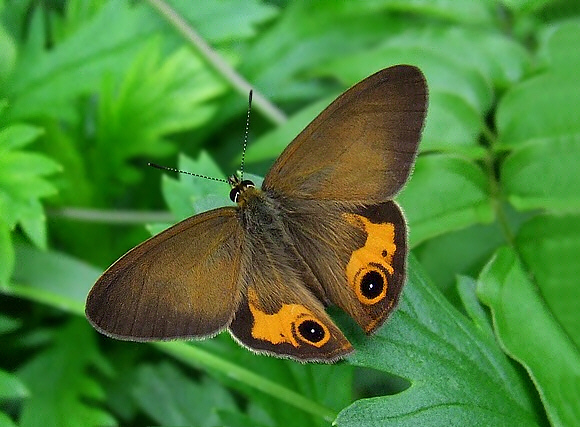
(379, 249)
(282, 327)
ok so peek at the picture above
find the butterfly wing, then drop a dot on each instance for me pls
(357, 254)
(181, 283)
(360, 148)
(281, 312)
(334, 183)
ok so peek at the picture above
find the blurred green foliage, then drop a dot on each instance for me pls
(488, 331)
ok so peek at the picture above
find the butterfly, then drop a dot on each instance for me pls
(322, 230)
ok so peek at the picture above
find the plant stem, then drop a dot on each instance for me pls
(111, 217)
(494, 186)
(217, 62)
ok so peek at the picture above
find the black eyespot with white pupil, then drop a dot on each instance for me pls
(372, 285)
(311, 331)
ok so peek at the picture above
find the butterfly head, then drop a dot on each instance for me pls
(239, 187)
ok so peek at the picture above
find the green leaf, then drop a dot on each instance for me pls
(64, 365)
(11, 387)
(559, 48)
(21, 186)
(529, 333)
(169, 397)
(464, 12)
(270, 145)
(216, 21)
(538, 119)
(52, 277)
(283, 57)
(238, 419)
(443, 72)
(33, 222)
(6, 421)
(541, 108)
(451, 125)
(458, 374)
(6, 254)
(9, 53)
(543, 174)
(9, 324)
(467, 291)
(550, 248)
(18, 136)
(456, 199)
(447, 255)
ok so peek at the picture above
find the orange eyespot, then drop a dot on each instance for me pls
(311, 331)
(370, 284)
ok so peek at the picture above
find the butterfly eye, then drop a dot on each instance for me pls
(235, 194)
(247, 183)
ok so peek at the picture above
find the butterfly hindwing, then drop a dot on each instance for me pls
(356, 253)
(281, 312)
(183, 282)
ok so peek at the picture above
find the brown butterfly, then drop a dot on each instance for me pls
(322, 230)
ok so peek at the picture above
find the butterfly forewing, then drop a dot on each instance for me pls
(362, 147)
(183, 282)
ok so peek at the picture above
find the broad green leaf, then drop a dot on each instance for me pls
(217, 23)
(444, 73)
(194, 189)
(11, 387)
(169, 397)
(451, 125)
(42, 79)
(559, 48)
(188, 195)
(550, 248)
(41, 82)
(457, 198)
(283, 57)
(54, 277)
(541, 108)
(447, 255)
(59, 384)
(529, 333)
(458, 374)
(543, 174)
(538, 119)
(466, 287)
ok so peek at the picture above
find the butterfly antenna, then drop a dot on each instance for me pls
(246, 134)
(186, 173)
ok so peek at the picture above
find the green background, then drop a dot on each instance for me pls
(488, 329)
